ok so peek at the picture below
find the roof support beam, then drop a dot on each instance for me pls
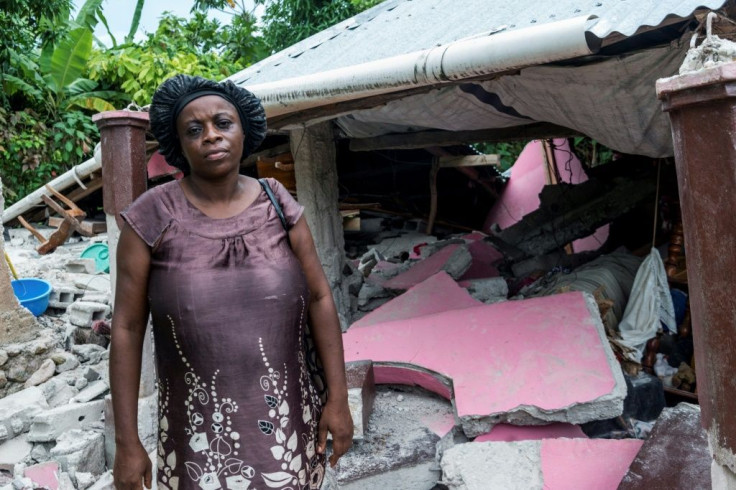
(426, 139)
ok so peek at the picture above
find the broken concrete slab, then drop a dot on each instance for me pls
(675, 455)
(96, 389)
(511, 433)
(17, 411)
(490, 290)
(484, 259)
(44, 474)
(80, 451)
(361, 394)
(436, 294)
(398, 446)
(550, 464)
(13, 452)
(454, 259)
(49, 425)
(524, 362)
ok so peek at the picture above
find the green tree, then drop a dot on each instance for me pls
(286, 22)
(195, 46)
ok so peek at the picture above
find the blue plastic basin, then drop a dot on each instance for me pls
(32, 293)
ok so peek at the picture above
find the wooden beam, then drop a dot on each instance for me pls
(469, 161)
(425, 139)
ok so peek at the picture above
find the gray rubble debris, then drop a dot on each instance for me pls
(485, 465)
(491, 290)
(397, 443)
(96, 389)
(80, 451)
(43, 374)
(83, 266)
(105, 482)
(65, 361)
(18, 410)
(13, 452)
(90, 353)
(84, 480)
(58, 392)
(49, 425)
(97, 282)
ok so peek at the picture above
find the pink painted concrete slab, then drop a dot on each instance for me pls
(440, 423)
(511, 433)
(44, 475)
(520, 196)
(389, 374)
(484, 256)
(434, 295)
(587, 463)
(422, 270)
(543, 352)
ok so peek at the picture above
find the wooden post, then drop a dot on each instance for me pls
(315, 167)
(701, 107)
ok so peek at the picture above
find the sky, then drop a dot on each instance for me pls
(119, 14)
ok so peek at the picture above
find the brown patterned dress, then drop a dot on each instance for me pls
(228, 299)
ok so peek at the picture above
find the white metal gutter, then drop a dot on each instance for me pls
(460, 60)
(73, 176)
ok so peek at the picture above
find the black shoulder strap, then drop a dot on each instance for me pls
(276, 205)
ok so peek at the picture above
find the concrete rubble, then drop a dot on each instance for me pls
(52, 410)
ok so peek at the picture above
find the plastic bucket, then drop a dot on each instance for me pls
(101, 254)
(32, 294)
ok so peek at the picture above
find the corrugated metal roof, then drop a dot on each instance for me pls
(402, 26)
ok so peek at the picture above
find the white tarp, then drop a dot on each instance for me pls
(613, 101)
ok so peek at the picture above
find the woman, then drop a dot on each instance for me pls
(228, 292)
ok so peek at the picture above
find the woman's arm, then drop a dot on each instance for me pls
(328, 339)
(132, 465)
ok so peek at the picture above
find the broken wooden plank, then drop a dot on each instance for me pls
(90, 227)
(469, 161)
(425, 139)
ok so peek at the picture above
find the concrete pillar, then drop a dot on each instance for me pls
(702, 109)
(124, 178)
(315, 166)
(16, 323)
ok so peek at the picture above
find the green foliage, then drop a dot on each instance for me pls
(32, 153)
(508, 151)
(590, 152)
(178, 46)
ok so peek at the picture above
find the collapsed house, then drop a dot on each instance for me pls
(514, 332)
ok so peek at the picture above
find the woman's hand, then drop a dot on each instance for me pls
(132, 468)
(336, 420)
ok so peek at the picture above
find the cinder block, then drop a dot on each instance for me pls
(83, 313)
(361, 394)
(48, 426)
(63, 296)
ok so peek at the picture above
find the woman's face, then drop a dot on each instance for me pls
(211, 136)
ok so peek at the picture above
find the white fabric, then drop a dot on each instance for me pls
(613, 101)
(649, 304)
